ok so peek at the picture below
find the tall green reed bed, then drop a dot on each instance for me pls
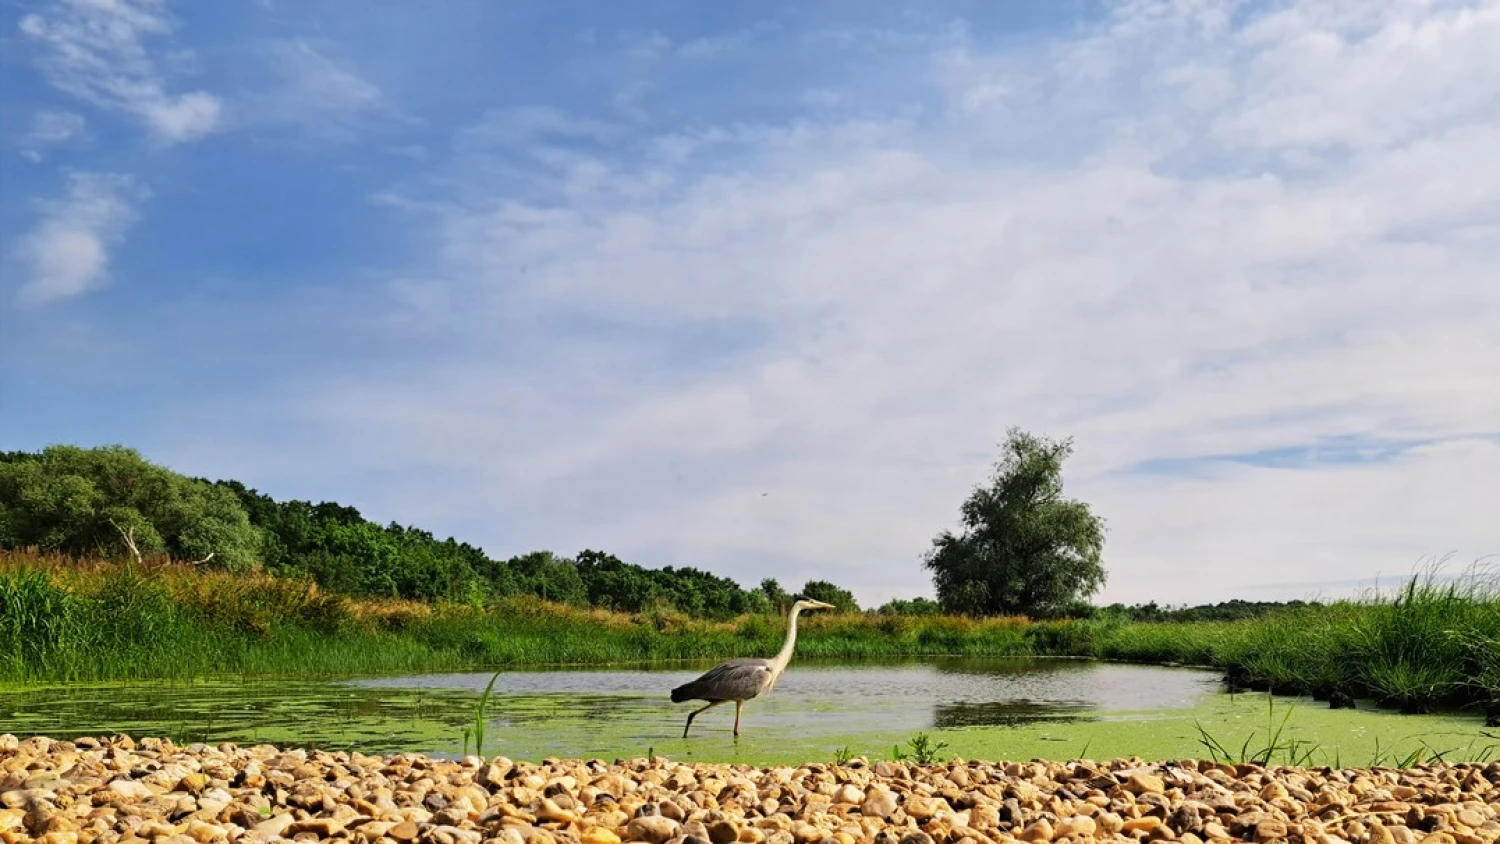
(1431, 643)
(61, 621)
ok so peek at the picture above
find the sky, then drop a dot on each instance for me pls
(760, 287)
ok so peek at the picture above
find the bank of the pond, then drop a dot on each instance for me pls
(1432, 645)
(120, 790)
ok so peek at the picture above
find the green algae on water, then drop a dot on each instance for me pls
(992, 710)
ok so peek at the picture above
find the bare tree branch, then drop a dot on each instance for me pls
(202, 561)
(129, 537)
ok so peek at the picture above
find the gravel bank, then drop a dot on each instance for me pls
(117, 790)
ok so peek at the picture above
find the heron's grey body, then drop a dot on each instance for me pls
(737, 679)
(742, 679)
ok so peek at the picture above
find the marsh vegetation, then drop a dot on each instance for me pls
(1432, 644)
(109, 572)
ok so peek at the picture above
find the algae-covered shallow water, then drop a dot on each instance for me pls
(982, 708)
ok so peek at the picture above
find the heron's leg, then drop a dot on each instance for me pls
(739, 704)
(694, 714)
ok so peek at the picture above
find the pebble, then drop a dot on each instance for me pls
(599, 835)
(653, 828)
(880, 804)
(116, 791)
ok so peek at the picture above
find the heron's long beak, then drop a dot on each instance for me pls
(819, 605)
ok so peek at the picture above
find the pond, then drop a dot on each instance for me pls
(980, 708)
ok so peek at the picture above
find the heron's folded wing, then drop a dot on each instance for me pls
(733, 680)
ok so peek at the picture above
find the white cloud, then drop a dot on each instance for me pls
(95, 51)
(53, 127)
(798, 360)
(49, 128)
(68, 252)
(714, 46)
(527, 124)
(1376, 84)
(322, 96)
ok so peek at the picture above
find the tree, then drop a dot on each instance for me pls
(615, 584)
(916, 606)
(550, 577)
(821, 590)
(1023, 548)
(90, 500)
(775, 594)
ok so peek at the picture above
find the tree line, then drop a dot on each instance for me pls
(110, 501)
(1022, 547)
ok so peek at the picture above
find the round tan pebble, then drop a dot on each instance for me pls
(1272, 791)
(1379, 834)
(925, 808)
(551, 811)
(723, 831)
(652, 828)
(1270, 830)
(849, 794)
(599, 835)
(1146, 824)
(880, 803)
(1039, 830)
(1078, 826)
(1141, 782)
(806, 833)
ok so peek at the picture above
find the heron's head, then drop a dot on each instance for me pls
(802, 602)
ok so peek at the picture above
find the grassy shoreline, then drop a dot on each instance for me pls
(1431, 645)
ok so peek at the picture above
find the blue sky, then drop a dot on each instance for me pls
(759, 287)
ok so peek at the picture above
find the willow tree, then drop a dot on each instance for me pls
(1022, 547)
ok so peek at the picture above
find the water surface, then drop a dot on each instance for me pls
(982, 708)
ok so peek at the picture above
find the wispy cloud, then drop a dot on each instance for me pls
(323, 97)
(526, 124)
(714, 46)
(95, 50)
(68, 252)
(1382, 81)
(49, 128)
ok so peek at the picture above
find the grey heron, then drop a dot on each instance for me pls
(741, 679)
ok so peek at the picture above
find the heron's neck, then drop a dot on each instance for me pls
(781, 660)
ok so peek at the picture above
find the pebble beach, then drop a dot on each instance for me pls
(122, 790)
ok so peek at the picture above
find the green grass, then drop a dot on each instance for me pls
(1431, 644)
